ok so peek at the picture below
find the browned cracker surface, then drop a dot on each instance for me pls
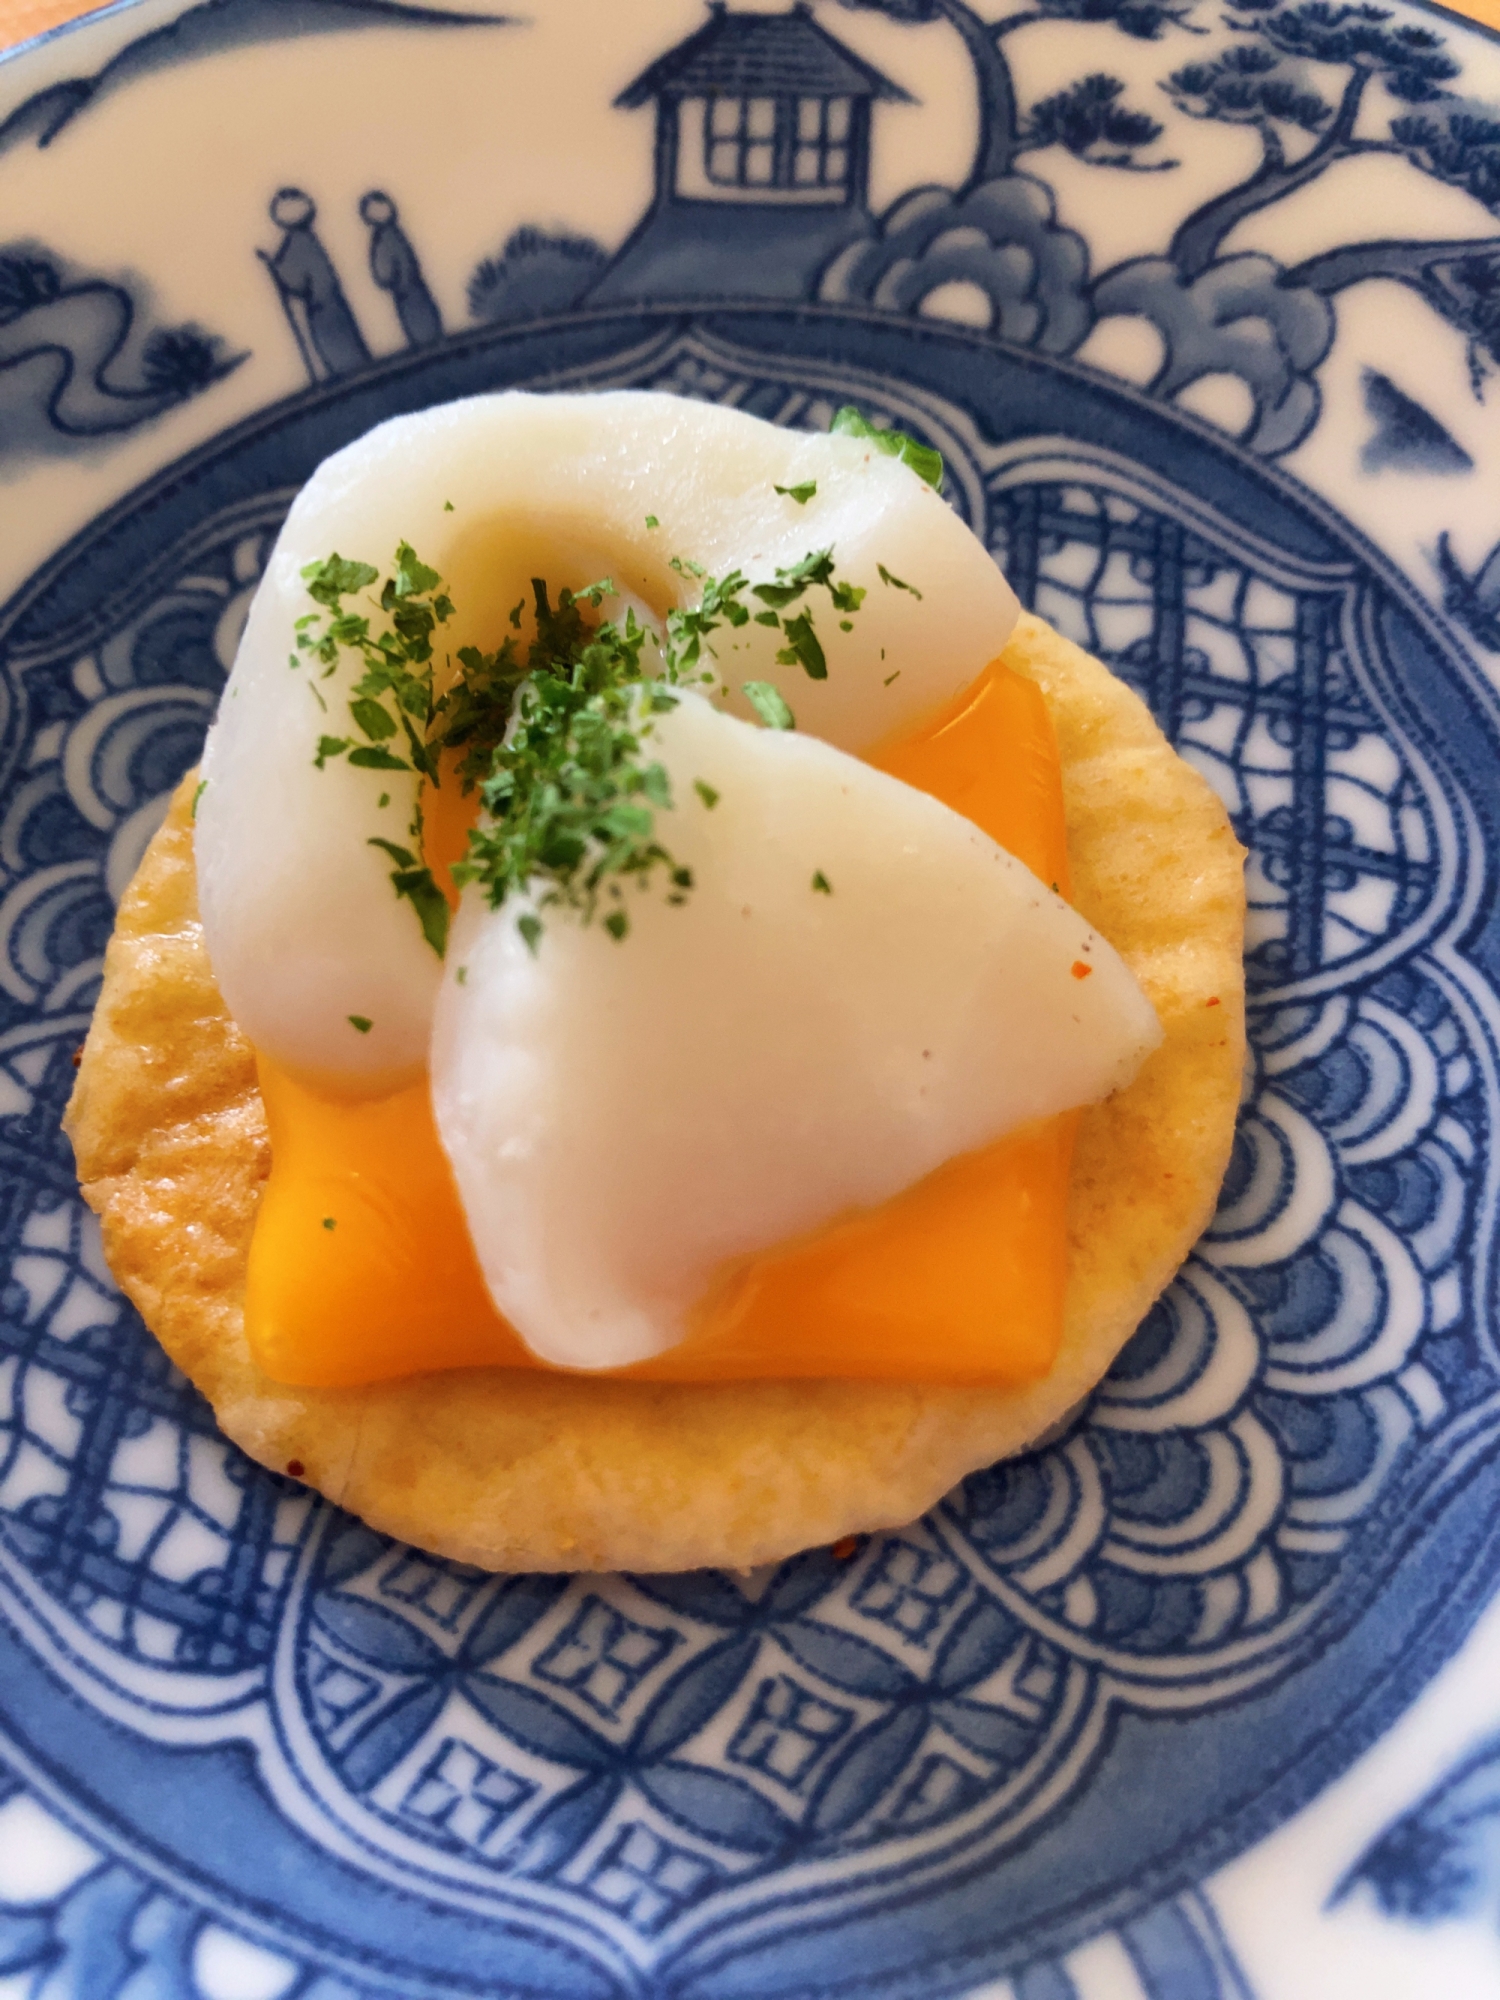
(537, 1471)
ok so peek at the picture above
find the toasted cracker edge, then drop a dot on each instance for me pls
(516, 1471)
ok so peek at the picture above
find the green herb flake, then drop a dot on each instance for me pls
(197, 795)
(361, 1023)
(801, 493)
(895, 582)
(414, 880)
(923, 460)
(333, 578)
(552, 732)
(652, 522)
(447, 506)
(413, 578)
(769, 704)
(383, 801)
(462, 975)
(803, 648)
(821, 883)
(373, 720)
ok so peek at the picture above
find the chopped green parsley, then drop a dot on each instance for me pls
(802, 492)
(554, 735)
(923, 460)
(821, 883)
(895, 582)
(361, 1023)
(769, 704)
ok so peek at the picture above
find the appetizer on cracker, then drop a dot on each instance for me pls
(742, 1044)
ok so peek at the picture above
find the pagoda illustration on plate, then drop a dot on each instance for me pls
(762, 160)
(762, 165)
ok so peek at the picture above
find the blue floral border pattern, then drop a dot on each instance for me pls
(1320, 83)
(103, 1930)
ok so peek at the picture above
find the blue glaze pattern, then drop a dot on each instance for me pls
(1441, 1858)
(938, 1760)
(64, 381)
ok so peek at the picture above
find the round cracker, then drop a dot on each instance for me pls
(516, 1471)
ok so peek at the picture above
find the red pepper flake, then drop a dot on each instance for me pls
(1212, 1003)
(78, 1055)
(844, 1547)
(295, 1468)
(1080, 970)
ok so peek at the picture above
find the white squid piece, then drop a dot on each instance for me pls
(302, 925)
(745, 1066)
(622, 1117)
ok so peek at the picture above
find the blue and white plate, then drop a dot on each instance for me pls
(1200, 1700)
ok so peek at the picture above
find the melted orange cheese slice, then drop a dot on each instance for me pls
(361, 1267)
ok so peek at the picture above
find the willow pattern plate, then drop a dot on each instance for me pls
(1202, 308)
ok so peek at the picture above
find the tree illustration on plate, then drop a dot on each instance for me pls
(538, 271)
(1258, 82)
(992, 252)
(1386, 63)
(996, 241)
(1087, 117)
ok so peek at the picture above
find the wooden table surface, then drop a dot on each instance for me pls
(22, 18)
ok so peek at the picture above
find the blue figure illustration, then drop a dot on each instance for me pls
(312, 298)
(395, 268)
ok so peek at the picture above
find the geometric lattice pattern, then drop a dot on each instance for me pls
(116, 1488)
(1250, 678)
